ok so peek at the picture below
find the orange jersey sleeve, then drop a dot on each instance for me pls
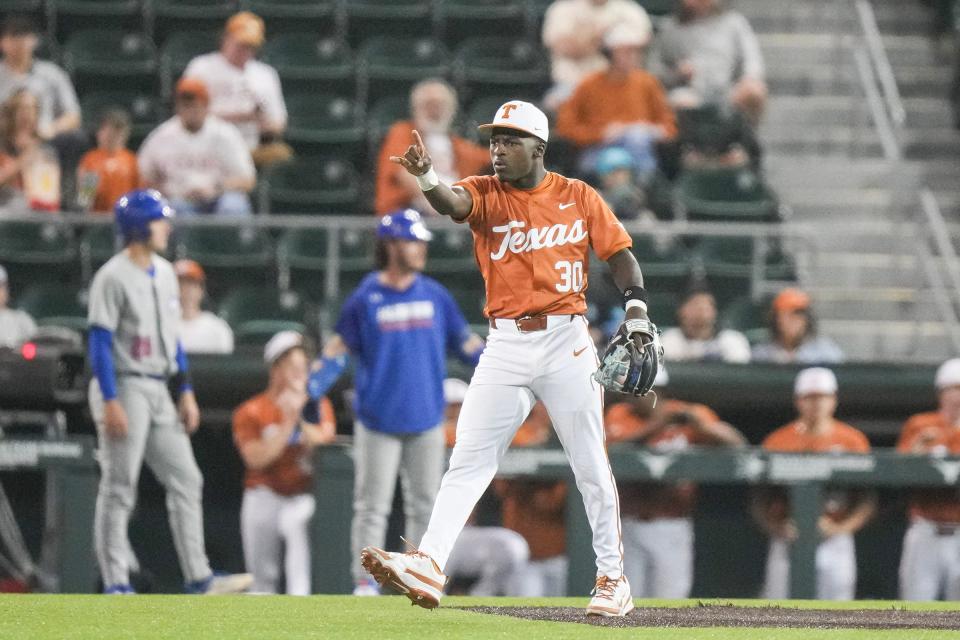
(391, 193)
(246, 423)
(917, 425)
(117, 174)
(532, 245)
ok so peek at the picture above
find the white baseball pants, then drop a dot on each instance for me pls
(836, 569)
(554, 365)
(493, 555)
(156, 436)
(658, 557)
(930, 564)
(271, 525)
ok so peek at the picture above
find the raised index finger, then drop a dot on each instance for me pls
(420, 145)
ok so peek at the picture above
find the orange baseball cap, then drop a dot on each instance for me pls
(194, 88)
(246, 27)
(791, 299)
(189, 269)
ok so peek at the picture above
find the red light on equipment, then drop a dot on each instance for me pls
(28, 351)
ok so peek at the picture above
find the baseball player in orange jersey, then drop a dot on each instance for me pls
(532, 230)
(844, 511)
(930, 564)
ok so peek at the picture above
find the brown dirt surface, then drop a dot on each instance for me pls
(727, 615)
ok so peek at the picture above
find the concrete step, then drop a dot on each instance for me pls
(840, 172)
(826, 140)
(852, 110)
(869, 340)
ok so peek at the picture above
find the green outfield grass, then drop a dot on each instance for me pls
(38, 617)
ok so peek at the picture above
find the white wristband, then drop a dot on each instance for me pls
(635, 303)
(429, 180)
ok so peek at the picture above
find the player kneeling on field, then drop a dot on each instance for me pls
(276, 432)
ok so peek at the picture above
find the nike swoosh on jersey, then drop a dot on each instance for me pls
(578, 352)
(565, 206)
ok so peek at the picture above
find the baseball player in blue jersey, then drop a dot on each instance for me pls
(135, 351)
(398, 325)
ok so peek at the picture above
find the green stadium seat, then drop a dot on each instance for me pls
(55, 305)
(289, 16)
(382, 115)
(68, 16)
(658, 8)
(178, 50)
(326, 124)
(501, 66)
(311, 185)
(665, 261)
(102, 59)
(748, 316)
(461, 19)
(357, 249)
(302, 58)
(246, 308)
(391, 65)
(146, 111)
(451, 251)
(97, 245)
(734, 193)
(165, 16)
(37, 251)
(302, 254)
(405, 18)
(230, 254)
(662, 308)
(466, 287)
(259, 332)
(728, 265)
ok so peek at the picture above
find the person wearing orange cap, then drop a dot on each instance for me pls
(198, 161)
(243, 90)
(201, 331)
(793, 333)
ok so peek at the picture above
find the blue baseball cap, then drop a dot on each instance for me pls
(403, 224)
(612, 159)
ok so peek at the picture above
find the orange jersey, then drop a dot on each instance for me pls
(289, 474)
(938, 505)
(532, 244)
(795, 438)
(649, 500)
(118, 174)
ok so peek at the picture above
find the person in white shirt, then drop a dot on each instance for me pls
(244, 90)
(16, 327)
(697, 338)
(573, 31)
(200, 331)
(198, 161)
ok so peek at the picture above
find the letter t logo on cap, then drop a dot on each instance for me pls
(507, 108)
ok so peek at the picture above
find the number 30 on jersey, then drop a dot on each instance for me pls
(571, 276)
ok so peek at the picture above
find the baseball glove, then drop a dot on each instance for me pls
(627, 367)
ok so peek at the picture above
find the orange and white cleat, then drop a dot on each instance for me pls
(611, 598)
(413, 574)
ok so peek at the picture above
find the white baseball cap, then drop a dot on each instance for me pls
(948, 375)
(454, 390)
(628, 35)
(521, 116)
(815, 380)
(3, 275)
(279, 344)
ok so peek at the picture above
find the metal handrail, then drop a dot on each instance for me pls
(941, 236)
(868, 80)
(878, 55)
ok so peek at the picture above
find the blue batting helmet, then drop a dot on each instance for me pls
(135, 211)
(403, 224)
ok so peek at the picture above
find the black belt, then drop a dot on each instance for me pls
(137, 374)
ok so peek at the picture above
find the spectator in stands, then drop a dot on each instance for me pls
(697, 338)
(433, 106)
(16, 326)
(110, 170)
(573, 31)
(200, 331)
(29, 170)
(491, 556)
(845, 511)
(275, 433)
(197, 160)
(618, 183)
(793, 332)
(657, 518)
(59, 109)
(623, 106)
(706, 53)
(930, 563)
(244, 90)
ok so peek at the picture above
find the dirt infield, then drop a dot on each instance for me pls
(719, 615)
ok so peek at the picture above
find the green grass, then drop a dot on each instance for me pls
(38, 617)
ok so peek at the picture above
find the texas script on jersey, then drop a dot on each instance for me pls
(537, 238)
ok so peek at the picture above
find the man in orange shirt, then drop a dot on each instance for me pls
(532, 232)
(275, 432)
(623, 106)
(930, 564)
(657, 517)
(110, 170)
(844, 511)
(433, 106)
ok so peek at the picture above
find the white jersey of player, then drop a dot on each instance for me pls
(241, 92)
(180, 161)
(207, 333)
(143, 312)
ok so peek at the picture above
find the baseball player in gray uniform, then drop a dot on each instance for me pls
(135, 352)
